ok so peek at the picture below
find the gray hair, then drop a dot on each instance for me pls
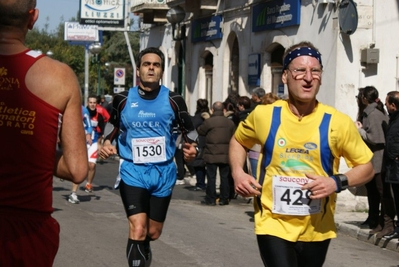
(259, 92)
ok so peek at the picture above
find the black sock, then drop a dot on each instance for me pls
(135, 253)
(147, 249)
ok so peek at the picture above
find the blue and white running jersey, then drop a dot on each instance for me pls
(146, 142)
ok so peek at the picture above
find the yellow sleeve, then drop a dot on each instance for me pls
(349, 143)
(255, 128)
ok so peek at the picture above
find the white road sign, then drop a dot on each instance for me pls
(119, 76)
(83, 33)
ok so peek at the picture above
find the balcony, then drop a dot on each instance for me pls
(195, 5)
(154, 11)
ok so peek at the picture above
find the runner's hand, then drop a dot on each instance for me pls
(320, 186)
(246, 185)
(107, 150)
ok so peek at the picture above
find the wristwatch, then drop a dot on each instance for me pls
(342, 182)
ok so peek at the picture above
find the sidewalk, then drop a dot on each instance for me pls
(350, 213)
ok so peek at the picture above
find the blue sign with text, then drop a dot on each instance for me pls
(276, 14)
(254, 69)
(207, 29)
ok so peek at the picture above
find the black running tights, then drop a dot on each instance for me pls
(277, 252)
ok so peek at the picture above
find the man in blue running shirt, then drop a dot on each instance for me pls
(143, 119)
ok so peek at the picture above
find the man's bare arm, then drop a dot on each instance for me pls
(245, 184)
(61, 90)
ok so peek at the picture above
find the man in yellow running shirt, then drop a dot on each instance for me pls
(297, 176)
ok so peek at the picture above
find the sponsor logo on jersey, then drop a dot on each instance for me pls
(281, 142)
(310, 146)
(297, 150)
(151, 124)
(143, 114)
(8, 83)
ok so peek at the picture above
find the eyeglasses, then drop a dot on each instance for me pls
(300, 73)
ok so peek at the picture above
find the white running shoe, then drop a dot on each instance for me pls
(73, 198)
(180, 182)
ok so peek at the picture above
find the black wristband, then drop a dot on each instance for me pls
(342, 182)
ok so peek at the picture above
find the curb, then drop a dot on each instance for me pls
(363, 235)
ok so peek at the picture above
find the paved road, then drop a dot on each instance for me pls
(94, 232)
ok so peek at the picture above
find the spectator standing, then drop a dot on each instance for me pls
(45, 94)
(143, 122)
(361, 106)
(257, 95)
(232, 98)
(98, 126)
(201, 113)
(231, 112)
(295, 230)
(391, 155)
(372, 129)
(217, 131)
(244, 107)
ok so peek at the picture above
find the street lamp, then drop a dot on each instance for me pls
(106, 76)
(95, 49)
(175, 16)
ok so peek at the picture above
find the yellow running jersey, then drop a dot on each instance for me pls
(291, 148)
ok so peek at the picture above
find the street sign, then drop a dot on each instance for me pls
(80, 33)
(119, 76)
(118, 89)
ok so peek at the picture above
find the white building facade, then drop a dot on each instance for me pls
(236, 45)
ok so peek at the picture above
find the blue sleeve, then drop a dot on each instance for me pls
(86, 121)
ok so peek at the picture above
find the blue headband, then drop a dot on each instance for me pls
(301, 51)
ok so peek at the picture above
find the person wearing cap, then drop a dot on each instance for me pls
(298, 180)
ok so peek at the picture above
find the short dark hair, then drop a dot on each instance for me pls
(151, 50)
(393, 98)
(93, 96)
(244, 101)
(15, 13)
(202, 105)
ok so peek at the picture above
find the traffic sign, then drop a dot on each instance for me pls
(119, 76)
